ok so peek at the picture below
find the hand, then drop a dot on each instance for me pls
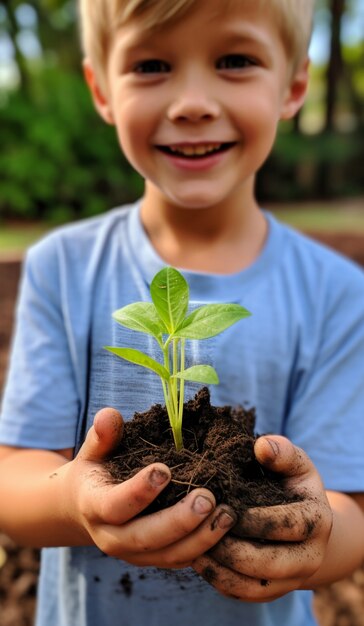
(106, 514)
(277, 549)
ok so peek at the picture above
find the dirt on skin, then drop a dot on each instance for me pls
(218, 454)
(340, 604)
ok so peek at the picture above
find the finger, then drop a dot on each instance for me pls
(288, 522)
(117, 504)
(280, 455)
(105, 434)
(241, 587)
(268, 561)
(181, 553)
(156, 531)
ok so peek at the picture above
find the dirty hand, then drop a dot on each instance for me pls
(274, 550)
(106, 513)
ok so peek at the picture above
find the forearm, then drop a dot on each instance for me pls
(345, 550)
(35, 503)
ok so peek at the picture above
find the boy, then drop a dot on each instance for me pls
(195, 89)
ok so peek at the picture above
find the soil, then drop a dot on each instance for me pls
(340, 604)
(218, 454)
(19, 568)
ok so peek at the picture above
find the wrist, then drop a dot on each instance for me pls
(345, 547)
(69, 506)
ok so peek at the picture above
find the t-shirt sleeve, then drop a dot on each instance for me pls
(326, 417)
(40, 405)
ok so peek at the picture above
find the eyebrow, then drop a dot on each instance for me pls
(245, 34)
(138, 39)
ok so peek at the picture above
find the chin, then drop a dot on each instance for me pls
(196, 203)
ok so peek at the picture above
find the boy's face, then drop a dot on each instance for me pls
(196, 104)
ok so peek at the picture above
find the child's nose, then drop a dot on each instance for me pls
(194, 103)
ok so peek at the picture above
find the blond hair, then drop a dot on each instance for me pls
(100, 19)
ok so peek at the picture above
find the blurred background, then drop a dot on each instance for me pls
(59, 162)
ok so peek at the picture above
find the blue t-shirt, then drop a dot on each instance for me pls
(299, 360)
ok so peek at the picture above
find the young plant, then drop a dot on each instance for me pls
(166, 319)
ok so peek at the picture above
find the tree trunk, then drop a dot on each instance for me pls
(19, 58)
(335, 66)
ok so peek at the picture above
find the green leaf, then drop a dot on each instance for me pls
(211, 320)
(141, 316)
(170, 293)
(199, 374)
(139, 358)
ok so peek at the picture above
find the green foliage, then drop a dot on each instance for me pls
(166, 319)
(58, 160)
(302, 167)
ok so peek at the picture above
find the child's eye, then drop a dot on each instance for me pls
(151, 66)
(234, 62)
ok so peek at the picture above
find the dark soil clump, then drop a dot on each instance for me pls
(218, 454)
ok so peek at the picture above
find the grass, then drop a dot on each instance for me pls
(324, 218)
(338, 216)
(15, 238)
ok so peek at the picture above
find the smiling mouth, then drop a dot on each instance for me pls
(197, 151)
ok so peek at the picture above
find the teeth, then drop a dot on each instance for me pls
(198, 150)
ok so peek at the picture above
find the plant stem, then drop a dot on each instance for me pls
(175, 380)
(178, 441)
(182, 385)
(177, 433)
(171, 391)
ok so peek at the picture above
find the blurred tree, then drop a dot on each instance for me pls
(320, 154)
(58, 161)
(341, 83)
(12, 25)
(55, 28)
(335, 65)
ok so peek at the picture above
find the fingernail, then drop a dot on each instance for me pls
(202, 505)
(224, 520)
(274, 446)
(157, 478)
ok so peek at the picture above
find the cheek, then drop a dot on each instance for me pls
(139, 115)
(259, 120)
(134, 131)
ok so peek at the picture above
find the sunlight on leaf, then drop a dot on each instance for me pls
(210, 320)
(170, 293)
(141, 316)
(199, 374)
(139, 358)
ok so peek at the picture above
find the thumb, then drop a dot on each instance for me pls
(278, 454)
(105, 434)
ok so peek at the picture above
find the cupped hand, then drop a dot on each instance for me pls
(274, 550)
(106, 514)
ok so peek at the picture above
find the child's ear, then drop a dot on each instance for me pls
(296, 92)
(100, 101)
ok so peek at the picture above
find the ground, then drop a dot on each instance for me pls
(341, 604)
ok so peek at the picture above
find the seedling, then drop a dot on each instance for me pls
(166, 319)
